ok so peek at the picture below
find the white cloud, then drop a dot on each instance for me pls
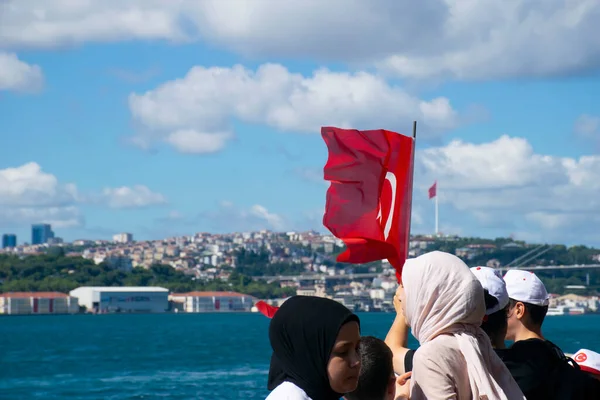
(16, 75)
(496, 38)
(506, 184)
(195, 113)
(466, 39)
(30, 195)
(131, 197)
(50, 23)
(29, 186)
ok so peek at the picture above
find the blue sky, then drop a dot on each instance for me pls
(163, 121)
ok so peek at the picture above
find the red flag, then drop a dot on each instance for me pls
(433, 190)
(369, 200)
(266, 309)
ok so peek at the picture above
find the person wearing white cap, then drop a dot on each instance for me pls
(496, 302)
(540, 368)
(589, 361)
(528, 305)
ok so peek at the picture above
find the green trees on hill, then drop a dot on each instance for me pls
(258, 263)
(62, 274)
(56, 272)
(557, 255)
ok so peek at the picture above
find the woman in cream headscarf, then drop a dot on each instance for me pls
(444, 305)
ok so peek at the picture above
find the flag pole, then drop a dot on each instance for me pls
(436, 209)
(412, 174)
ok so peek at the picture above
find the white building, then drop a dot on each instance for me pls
(123, 238)
(19, 303)
(83, 242)
(128, 299)
(212, 302)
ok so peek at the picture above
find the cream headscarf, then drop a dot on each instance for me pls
(444, 297)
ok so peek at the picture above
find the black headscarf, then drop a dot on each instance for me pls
(302, 335)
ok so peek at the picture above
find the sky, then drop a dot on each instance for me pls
(164, 118)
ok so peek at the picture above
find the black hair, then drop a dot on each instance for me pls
(496, 323)
(536, 313)
(490, 301)
(376, 370)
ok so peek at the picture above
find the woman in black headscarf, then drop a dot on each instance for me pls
(315, 357)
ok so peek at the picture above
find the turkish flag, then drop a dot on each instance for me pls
(369, 200)
(433, 191)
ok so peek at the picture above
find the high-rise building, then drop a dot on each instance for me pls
(9, 240)
(123, 238)
(40, 233)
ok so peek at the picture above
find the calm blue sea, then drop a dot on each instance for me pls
(170, 356)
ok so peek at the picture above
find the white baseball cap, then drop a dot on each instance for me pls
(492, 281)
(526, 287)
(589, 361)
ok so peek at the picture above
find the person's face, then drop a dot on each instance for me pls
(513, 321)
(344, 363)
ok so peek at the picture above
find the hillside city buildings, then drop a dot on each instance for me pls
(205, 257)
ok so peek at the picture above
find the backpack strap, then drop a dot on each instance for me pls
(561, 355)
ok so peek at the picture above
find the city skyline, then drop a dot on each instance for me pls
(196, 119)
(128, 238)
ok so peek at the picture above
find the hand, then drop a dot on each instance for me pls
(398, 300)
(403, 386)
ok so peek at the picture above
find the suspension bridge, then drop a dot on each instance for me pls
(523, 262)
(371, 275)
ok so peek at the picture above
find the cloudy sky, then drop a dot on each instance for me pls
(172, 117)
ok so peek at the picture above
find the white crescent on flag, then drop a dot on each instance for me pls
(391, 178)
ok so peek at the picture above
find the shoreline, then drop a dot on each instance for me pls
(217, 313)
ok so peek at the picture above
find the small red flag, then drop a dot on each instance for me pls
(369, 200)
(266, 309)
(433, 190)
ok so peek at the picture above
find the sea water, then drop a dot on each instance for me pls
(171, 356)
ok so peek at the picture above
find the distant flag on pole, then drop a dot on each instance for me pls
(433, 190)
(369, 200)
(433, 194)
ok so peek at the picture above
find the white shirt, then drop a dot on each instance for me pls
(288, 391)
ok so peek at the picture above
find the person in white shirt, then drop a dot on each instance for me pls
(315, 350)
